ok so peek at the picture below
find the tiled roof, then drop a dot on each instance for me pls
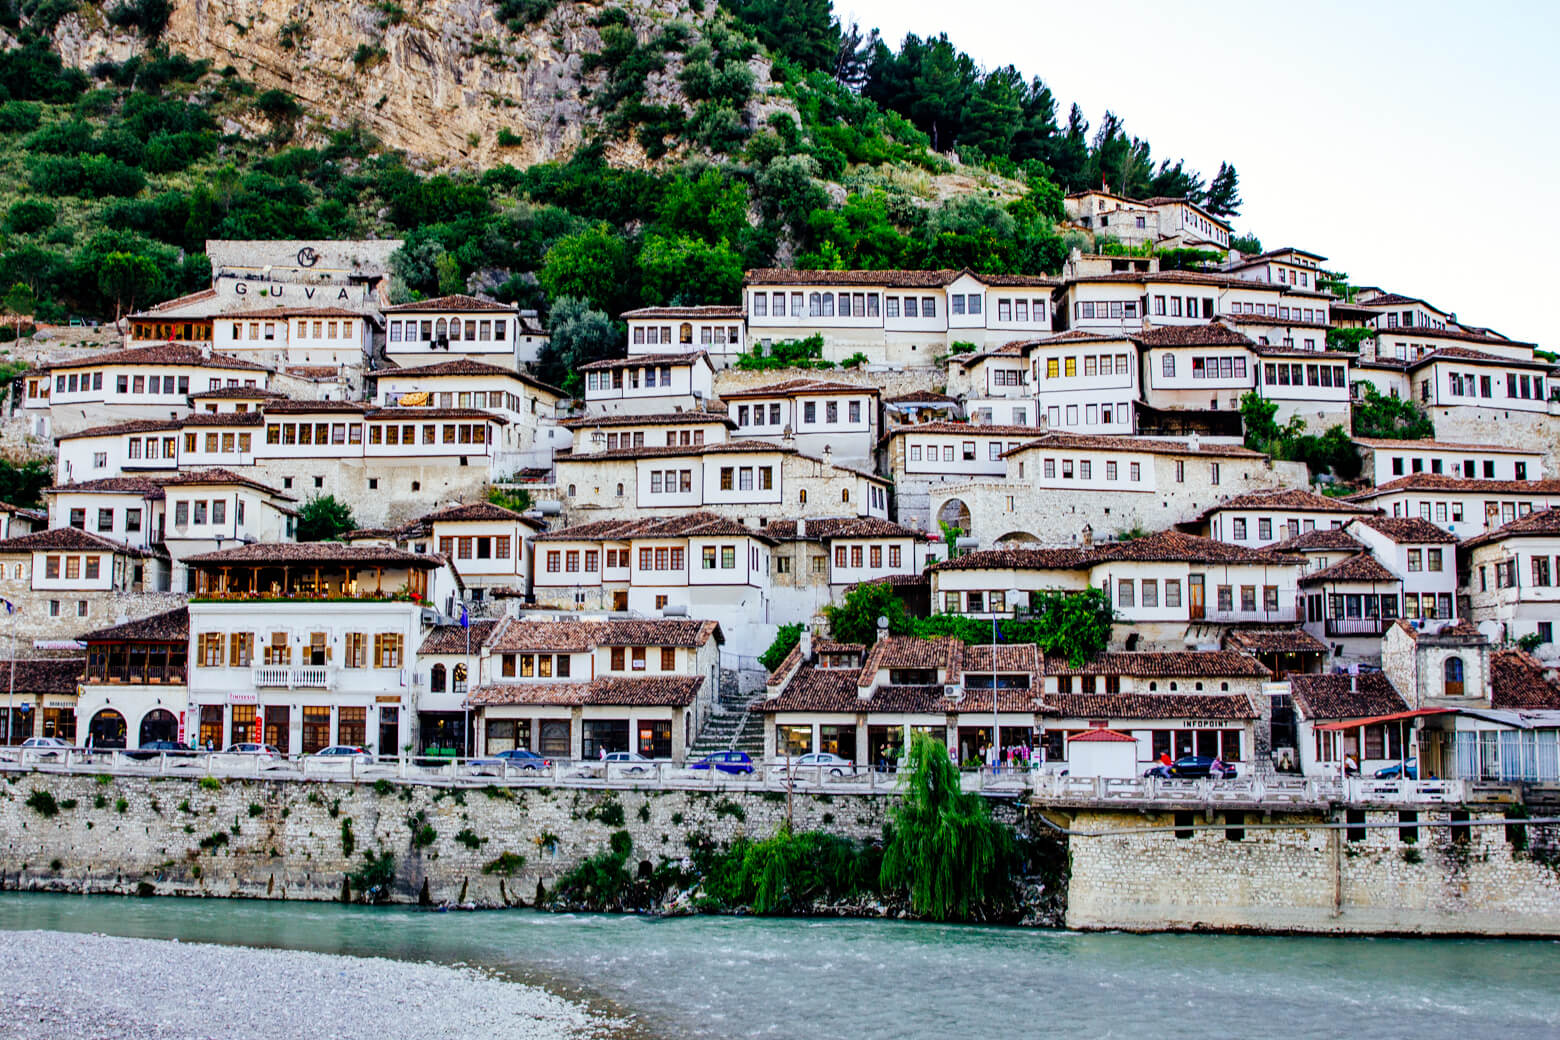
(451, 639)
(686, 525)
(1345, 696)
(1517, 681)
(473, 511)
(659, 632)
(1322, 538)
(890, 279)
(1002, 657)
(217, 475)
(337, 553)
(817, 689)
(468, 367)
(556, 636)
(641, 360)
(291, 406)
(814, 689)
(1459, 632)
(1274, 641)
(1472, 357)
(655, 451)
(161, 354)
(1019, 280)
(894, 580)
(127, 427)
(694, 418)
(674, 691)
(1079, 336)
(1059, 439)
(1430, 445)
(1540, 522)
(237, 393)
(704, 311)
(1293, 499)
(222, 419)
(1408, 529)
(263, 313)
(316, 372)
(800, 388)
(197, 296)
(963, 429)
(1360, 567)
(829, 646)
(1177, 546)
(1019, 559)
(825, 527)
(28, 675)
(921, 397)
(912, 652)
(1442, 482)
(67, 539)
(458, 302)
(1228, 706)
(1213, 334)
(1169, 664)
(144, 486)
(170, 626)
(423, 414)
(1102, 736)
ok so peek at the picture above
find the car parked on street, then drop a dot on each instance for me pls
(516, 759)
(1193, 767)
(153, 748)
(342, 754)
(1395, 771)
(45, 747)
(732, 762)
(824, 762)
(628, 763)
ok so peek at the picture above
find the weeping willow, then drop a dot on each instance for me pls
(944, 847)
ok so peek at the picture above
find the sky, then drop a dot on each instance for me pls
(1412, 143)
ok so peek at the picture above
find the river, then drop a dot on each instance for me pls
(718, 977)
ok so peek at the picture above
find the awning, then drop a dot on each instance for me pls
(1396, 716)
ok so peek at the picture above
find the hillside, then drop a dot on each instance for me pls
(612, 154)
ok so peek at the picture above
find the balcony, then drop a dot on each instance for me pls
(1368, 626)
(304, 677)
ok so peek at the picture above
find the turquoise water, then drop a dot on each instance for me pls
(690, 978)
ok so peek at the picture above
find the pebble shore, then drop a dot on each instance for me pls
(86, 987)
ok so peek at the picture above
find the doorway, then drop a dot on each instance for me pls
(158, 724)
(107, 729)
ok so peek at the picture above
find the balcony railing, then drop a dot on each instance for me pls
(306, 677)
(1355, 626)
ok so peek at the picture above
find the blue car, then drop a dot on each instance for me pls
(1192, 767)
(1395, 771)
(725, 761)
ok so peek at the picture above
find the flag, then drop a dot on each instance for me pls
(10, 608)
(465, 618)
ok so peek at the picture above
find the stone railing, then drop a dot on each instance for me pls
(304, 677)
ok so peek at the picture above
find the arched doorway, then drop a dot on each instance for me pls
(436, 679)
(107, 729)
(1017, 538)
(955, 513)
(158, 724)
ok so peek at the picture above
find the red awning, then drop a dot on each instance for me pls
(1396, 716)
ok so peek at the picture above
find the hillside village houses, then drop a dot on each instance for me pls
(1080, 432)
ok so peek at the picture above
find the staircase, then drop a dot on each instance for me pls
(734, 725)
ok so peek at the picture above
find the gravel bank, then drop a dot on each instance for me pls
(86, 987)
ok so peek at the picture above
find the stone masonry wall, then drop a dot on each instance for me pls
(1309, 879)
(285, 839)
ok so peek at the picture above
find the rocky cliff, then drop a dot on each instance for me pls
(438, 79)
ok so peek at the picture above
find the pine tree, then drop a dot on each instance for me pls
(1224, 193)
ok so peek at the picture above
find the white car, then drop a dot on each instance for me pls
(825, 762)
(342, 754)
(46, 747)
(629, 763)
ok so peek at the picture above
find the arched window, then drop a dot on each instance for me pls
(455, 326)
(685, 333)
(1168, 365)
(441, 330)
(460, 679)
(436, 679)
(814, 305)
(1453, 673)
(571, 490)
(802, 496)
(844, 494)
(620, 491)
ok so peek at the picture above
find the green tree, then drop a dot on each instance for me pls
(22, 485)
(323, 518)
(854, 619)
(1257, 415)
(1224, 193)
(516, 500)
(944, 848)
(580, 334)
(785, 639)
(20, 301)
(591, 265)
(1380, 415)
(451, 281)
(686, 271)
(126, 276)
(802, 30)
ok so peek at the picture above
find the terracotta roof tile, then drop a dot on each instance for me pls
(1177, 546)
(1422, 444)
(170, 626)
(921, 397)
(1274, 641)
(1331, 539)
(1102, 736)
(144, 486)
(1517, 681)
(1213, 334)
(717, 310)
(556, 636)
(1408, 529)
(675, 691)
(474, 511)
(687, 525)
(894, 279)
(1170, 664)
(67, 538)
(1293, 499)
(57, 675)
(468, 367)
(641, 360)
(1360, 567)
(334, 553)
(237, 393)
(160, 354)
(1226, 706)
(451, 639)
(659, 632)
(825, 527)
(1540, 523)
(800, 388)
(1442, 482)
(458, 302)
(910, 652)
(1058, 439)
(1345, 696)
(1019, 559)
(694, 418)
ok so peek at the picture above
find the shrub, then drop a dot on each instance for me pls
(148, 17)
(467, 837)
(213, 841)
(43, 803)
(507, 138)
(210, 783)
(374, 878)
(505, 864)
(786, 638)
(348, 840)
(608, 811)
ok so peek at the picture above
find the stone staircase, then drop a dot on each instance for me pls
(734, 725)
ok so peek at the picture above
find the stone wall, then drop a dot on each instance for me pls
(285, 839)
(1307, 878)
(402, 489)
(891, 383)
(104, 609)
(1512, 429)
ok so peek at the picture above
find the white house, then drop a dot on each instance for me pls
(715, 330)
(460, 327)
(1262, 518)
(1465, 507)
(1513, 576)
(649, 384)
(812, 414)
(529, 407)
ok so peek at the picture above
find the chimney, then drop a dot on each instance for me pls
(806, 645)
(801, 532)
(1088, 535)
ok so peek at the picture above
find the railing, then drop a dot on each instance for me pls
(1355, 626)
(306, 677)
(1135, 792)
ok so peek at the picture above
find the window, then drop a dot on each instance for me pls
(1248, 599)
(1452, 673)
(388, 650)
(1126, 592)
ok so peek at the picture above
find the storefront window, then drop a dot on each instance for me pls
(655, 738)
(603, 736)
(793, 740)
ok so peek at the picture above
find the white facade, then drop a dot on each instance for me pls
(1387, 460)
(812, 414)
(649, 384)
(719, 332)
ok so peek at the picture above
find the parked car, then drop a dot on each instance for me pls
(46, 747)
(629, 763)
(153, 748)
(726, 761)
(523, 759)
(342, 754)
(252, 749)
(825, 762)
(1192, 767)
(1395, 771)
